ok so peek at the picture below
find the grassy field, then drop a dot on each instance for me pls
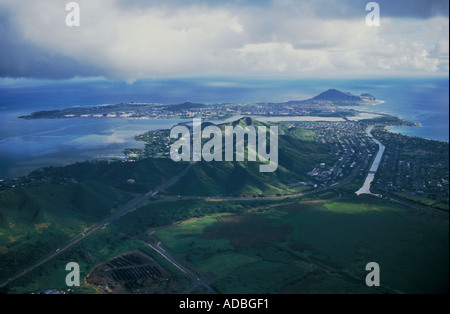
(317, 247)
(425, 201)
(301, 134)
(312, 246)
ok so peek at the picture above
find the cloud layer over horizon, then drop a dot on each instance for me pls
(137, 39)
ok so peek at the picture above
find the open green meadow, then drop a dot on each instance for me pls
(317, 248)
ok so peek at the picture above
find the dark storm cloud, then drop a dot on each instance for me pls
(421, 9)
(20, 58)
(415, 8)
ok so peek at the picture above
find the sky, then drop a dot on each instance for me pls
(130, 40)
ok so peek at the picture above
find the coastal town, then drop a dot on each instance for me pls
(331, 103)
(191, 110)
(413, 168)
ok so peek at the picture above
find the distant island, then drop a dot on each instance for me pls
(327, 104)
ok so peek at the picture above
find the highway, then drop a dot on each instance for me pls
(132, 205)
(197, 280)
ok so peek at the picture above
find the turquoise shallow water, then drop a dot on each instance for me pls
(28, 144)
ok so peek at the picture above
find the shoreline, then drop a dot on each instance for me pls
(389, 128)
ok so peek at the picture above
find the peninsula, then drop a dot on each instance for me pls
(328, 104)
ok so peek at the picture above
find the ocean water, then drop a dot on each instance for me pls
(26, 145)
(421, 101)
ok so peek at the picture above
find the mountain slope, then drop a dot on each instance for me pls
(295, 159)
(335, 95)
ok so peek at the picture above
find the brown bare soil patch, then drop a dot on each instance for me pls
(132, 272)
(40, 228)
(247, 230)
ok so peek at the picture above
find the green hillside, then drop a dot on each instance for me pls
(36, 220)
(296, 158)
(146, 173)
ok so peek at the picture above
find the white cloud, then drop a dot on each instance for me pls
(153, 40)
